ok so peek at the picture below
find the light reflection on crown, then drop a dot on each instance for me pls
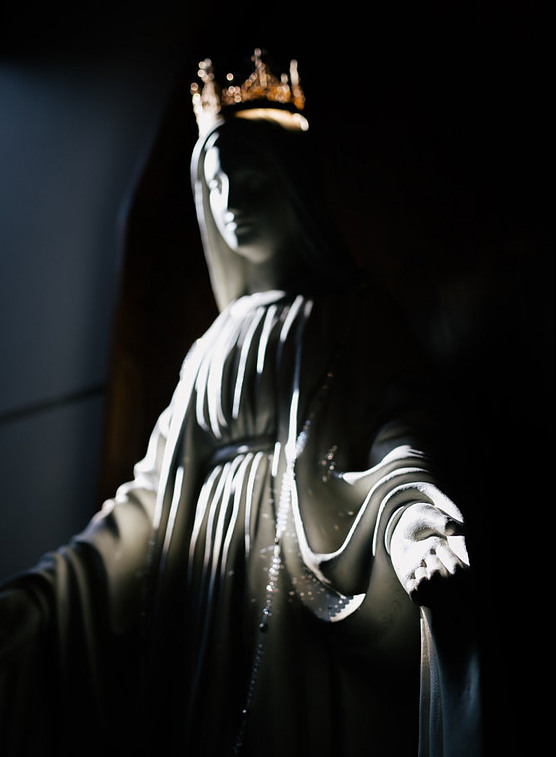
(262, 95)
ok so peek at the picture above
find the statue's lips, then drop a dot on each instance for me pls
(240, 225)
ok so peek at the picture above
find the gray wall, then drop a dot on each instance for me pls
(75, 126)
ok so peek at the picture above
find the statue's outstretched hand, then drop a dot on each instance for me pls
(428, 551)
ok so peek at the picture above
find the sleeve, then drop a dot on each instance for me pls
(70, 629)
(119, 534)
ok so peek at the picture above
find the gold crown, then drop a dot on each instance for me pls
(262, 95)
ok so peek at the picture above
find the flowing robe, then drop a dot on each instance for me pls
(236, 597)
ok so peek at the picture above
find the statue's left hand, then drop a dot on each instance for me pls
(428, 550)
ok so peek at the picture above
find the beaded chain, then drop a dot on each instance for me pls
(288, 481)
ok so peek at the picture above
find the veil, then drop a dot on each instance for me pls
(324, 262)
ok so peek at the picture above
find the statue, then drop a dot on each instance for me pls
(283, 572)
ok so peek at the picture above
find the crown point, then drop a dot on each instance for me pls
(261, 89)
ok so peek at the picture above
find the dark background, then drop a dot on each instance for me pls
(434, 122)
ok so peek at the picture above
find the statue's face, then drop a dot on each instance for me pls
(250, 208)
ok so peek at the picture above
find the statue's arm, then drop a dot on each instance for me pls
(110, 552)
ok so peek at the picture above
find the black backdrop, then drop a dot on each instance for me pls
(435, 127)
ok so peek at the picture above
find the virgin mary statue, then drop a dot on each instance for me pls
(279, 576)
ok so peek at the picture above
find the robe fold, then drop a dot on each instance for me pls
(237, 597)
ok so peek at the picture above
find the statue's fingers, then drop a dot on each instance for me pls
(452, 558)
(453, 527)
(435, 566)
(434, 520)
(420, 573)
(457, 545)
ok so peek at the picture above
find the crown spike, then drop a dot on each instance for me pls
(261, 90)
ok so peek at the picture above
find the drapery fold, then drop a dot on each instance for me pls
(144, 632)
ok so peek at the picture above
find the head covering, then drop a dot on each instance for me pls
(321, 261)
